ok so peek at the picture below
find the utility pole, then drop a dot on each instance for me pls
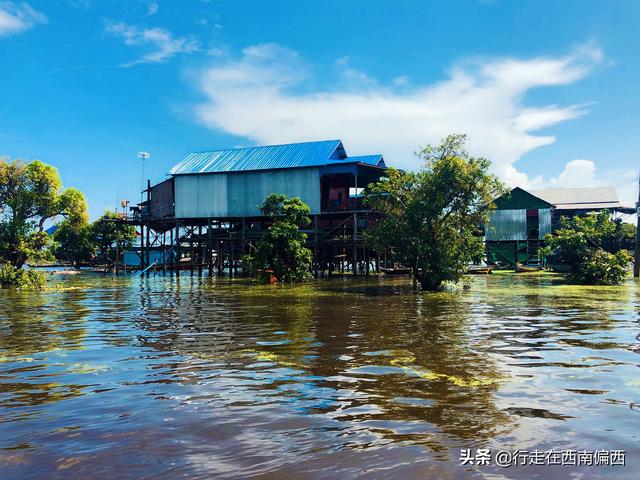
(636, 255)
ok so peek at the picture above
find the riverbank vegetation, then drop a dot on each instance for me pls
(432, 217)
(281, 251)
(77, 242)
(580, 244)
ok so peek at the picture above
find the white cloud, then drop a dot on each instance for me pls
(511, 176)
(16, 18)
(163, 44)
(153, 8)
(576, 173)
(266, 96)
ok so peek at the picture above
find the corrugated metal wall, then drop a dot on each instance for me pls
(161, 199)
(506, 225)
(201, 196)
(544, 215)
(238, 194)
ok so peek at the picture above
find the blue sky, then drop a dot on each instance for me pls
(547, 90)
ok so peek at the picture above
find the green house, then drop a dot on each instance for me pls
(517, 227)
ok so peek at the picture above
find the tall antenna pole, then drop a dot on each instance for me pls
(143, 156)
(636, 255)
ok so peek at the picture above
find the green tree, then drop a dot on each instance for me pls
(625, 231)
(110, 235)
(579, 243)
(31, 194)
(74, 242)
(431, 218)
(282, 248)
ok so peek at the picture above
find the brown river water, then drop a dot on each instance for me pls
(160, 378)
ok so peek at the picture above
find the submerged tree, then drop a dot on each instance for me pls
(110, 236)
(282, 248)
(579, 244)
(31, 194)
(432, 218)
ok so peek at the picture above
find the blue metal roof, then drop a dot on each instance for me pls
(293, 155)
(375, 160)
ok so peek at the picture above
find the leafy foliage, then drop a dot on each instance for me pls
(74, 242)
(11, 277)
(604, 268)
(579, 244)
(431, 218)
(109, 236)
(626, 231)
(31, 194)
(19, 241)
(282, 248)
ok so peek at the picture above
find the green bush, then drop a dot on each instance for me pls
(282, 248)
(604, 268)
(579, 244)
(10, 277)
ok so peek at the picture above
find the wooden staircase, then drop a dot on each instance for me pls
(533, 251)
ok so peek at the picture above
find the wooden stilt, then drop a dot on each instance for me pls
(191, 253)
(243, 249)
(142, 255)
(164, 253)
(147, 250)
(173, 252)
(209, 244)
(232, 264)
(201, 250)
(316, 260)
(178, 249)
(355, 244)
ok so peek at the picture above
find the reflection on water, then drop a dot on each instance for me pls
(160, 377)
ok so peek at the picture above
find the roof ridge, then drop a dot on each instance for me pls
(267, 146)
(570, 188)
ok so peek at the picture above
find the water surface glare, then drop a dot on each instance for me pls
(123, 378)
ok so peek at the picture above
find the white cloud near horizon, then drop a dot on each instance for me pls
(261, 96)
(17, 17)
(162, 43)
